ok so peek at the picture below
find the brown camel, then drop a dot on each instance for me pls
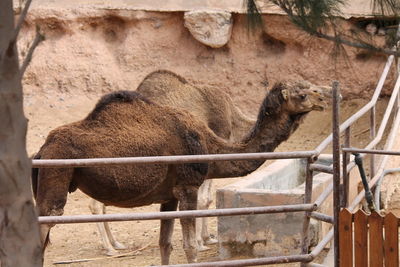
(210, 105)
(126, 124)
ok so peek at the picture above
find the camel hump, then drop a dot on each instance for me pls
(123, 96)
(164, 74)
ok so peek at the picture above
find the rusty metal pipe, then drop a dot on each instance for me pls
(336, 169)
(62, 163)
(174, 214)
(321, 168)
(248, 262)
(321, 217)
(371, 151)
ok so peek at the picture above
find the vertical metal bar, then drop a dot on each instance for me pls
(307, 199)
(336, 169)
(346, 161)
(372, 135)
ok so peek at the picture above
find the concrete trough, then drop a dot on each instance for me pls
(280, 183)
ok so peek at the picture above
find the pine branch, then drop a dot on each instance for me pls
(38, 38)
(314, 16)
(386, 7)
(21, 20)
(362, 45)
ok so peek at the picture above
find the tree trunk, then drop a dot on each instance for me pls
(19, 229)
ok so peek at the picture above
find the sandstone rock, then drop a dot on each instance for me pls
(210, 27)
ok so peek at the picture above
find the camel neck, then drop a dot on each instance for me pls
(265, 136)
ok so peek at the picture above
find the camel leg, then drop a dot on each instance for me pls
(201, 223)
(51, 196)
(167, 227)
(187, 196)
(115, 243)
(204, 201)
(104, 229)
(45, 234)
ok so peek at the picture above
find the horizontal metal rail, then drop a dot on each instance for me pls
(371, 151)
(248, 262)
(174, 214)
(321, 217)
(321, 168)
(56, 163)
(312, 264)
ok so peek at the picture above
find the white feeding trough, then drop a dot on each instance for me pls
(280, 183)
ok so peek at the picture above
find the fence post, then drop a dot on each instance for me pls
(346, 161)
(336, 169)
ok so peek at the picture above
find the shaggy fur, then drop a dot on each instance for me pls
(126, 124)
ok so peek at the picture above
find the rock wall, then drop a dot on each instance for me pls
(96, 51)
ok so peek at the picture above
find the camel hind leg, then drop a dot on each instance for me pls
(204, 201)
(109, 242)
(166, 229)
(187, 196)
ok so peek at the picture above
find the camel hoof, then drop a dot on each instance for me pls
(112, 252)
(118, 245)
(211, 241)
(203, 248)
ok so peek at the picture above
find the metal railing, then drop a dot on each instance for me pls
(310, 208)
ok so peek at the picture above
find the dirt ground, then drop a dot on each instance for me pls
(90, 52)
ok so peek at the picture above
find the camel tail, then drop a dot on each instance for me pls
(34, 177)
(46, 242)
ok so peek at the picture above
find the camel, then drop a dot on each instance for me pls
(126, 124)
(210, 105)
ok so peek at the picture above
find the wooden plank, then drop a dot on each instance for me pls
(391, 246)
(346, 238)
(360, 239)
(376, 240)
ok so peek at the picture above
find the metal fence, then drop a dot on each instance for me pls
(340, 179)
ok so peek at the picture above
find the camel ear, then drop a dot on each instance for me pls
(285, 94)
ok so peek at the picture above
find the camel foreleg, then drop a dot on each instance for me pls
(167, 227)
(109, 242)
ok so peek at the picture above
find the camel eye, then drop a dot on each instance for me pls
(302, 97)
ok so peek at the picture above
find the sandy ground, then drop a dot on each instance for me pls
(89, 52)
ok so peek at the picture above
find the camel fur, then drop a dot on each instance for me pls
(210, 105)
(126, 124)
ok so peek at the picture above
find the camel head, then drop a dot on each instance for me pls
(301, 97)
